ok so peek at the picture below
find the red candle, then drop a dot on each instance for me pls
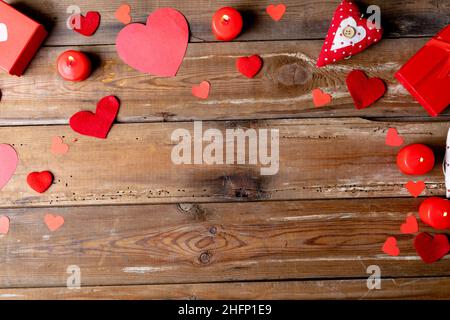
(74, 66)
(415, 159)
(435, 212)
(227, 24)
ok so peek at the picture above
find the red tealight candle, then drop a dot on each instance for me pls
(227, 24)
(415, 159)
(435, 212)
(74, 66)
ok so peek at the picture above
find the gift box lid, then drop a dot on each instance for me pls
(20, 38)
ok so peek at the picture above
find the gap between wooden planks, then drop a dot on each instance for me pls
(409, 288)
(281, 90)
(303, 20)
(216, 242)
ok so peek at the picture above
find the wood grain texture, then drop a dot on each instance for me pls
(319, 159)
(410, 288)
(281, 90)
(156, 244)
(304, 19)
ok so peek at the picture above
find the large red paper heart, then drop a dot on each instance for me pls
(364, 91)
(40, 181)
(435, 212)
(99, 123)
(157, 48)
(88, 24)
(249, 66)
(349, 34)
(430, 248)
(415, 188)
(8, 163)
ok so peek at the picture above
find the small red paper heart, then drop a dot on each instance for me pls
(410, 226)
(431, 249)
(88, 24)
(123, 13)
(348, 34)
(364, 91)
(390, 247)
(201, 91)
(99, 123)
(53, 222)
(249, 66)
(393, 139)
(320, 98)
(40, 181)
(58, 146)
(276, 12)
(415, 188)
(4, 225)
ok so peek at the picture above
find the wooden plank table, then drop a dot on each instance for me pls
(139, 226)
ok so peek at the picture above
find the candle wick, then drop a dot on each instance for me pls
(71, 60)
(226, 18)
(445, 213)
(421, 159)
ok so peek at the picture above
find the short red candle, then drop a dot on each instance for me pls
(435, 212)
(74, 66)
(415, 159)
(227, 24)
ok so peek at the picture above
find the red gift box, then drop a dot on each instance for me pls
(20, 38)
(427, 75)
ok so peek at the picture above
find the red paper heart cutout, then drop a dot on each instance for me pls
(435, 212)
(393, 139)
(410, 226)
(349, 34)
(201, 91)
(99, 123)
(276, 12)
(415, 188)
(123, 13)
(249, 66)
(320, 98)
(53, 222)
(390, 247)
(40, 181)
(431, 249)
(4, 225)
(364, 91)
(157, 48)
(88, 24)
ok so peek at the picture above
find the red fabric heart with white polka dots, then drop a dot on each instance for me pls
(349, 34)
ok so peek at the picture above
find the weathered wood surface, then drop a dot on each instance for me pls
(304, 19)
(281, 90)
(408, 288)
(156, 244)
(319, 159)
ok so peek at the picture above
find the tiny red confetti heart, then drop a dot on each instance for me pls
(365, 91)
(4, 225)
(201, 91)
(410, 226)
(249, 66)
(40, 181)
(53, 222)
(415, 188)
(320, 98)
(276, 12)
(390, 247)
(393, 139)
(431, 249)
(88, 24)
